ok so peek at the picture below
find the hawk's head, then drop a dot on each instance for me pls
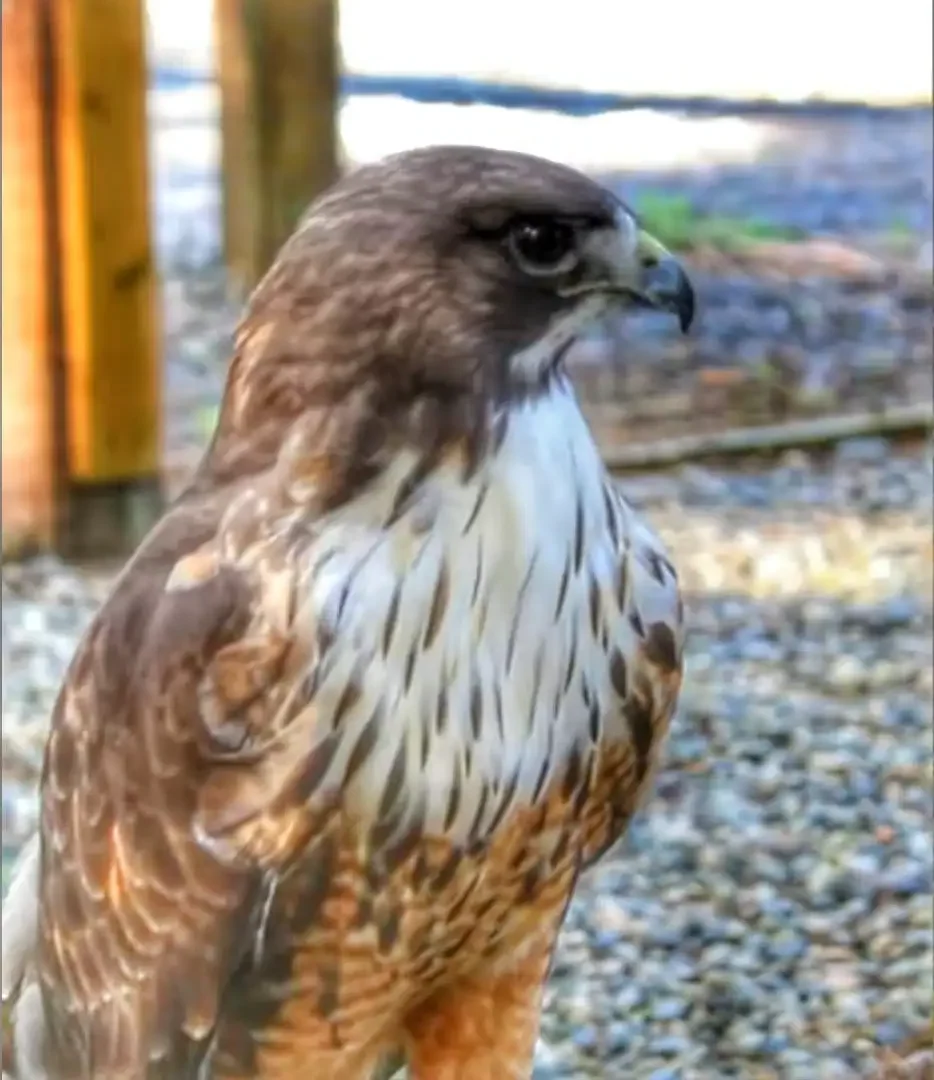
(421, 295)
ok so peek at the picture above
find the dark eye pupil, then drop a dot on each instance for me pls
(543, 242)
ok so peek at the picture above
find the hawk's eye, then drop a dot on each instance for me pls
(540, 246)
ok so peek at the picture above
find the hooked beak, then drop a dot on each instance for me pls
(626, 261)
(662, 282)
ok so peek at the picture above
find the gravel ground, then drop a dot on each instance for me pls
(770, 913)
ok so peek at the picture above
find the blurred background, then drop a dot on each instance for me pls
(770, 913)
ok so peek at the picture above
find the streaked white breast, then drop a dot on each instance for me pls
(461, 622)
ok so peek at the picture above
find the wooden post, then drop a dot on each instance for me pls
(278, 73)
(110, 350)
(27, 435)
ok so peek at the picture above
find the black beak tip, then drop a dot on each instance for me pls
(685, 305)
(668, 288)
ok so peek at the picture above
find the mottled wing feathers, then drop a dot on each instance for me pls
(167, 792)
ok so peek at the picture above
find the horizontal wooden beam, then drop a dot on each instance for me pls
(893, 421)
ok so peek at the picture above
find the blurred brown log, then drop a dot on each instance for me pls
(915, 419)
(278, 73)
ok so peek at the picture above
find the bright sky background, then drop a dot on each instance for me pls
(789, 49)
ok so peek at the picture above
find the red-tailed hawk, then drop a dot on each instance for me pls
(396, 667)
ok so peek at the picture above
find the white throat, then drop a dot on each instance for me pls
(463, 617)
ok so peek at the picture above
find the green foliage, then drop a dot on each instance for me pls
(673, 220)
(900, 238)
(207, 420)
(899, 227)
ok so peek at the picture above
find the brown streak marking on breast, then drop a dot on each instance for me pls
(579, 534)
(572, 773)
(364, 746)
(473, 832)
(498, 710)
(315, 769)
(405, 493)
(392, 617)
(639, 717)
(619, 674)
(505, 803)
(660, 648)
(611, 517)
(536, 688)
(441, 711)
(394, 783)
(454, 799)
(350, 695)
(467, 758)
(410, 667)
(655, 565)
(622, 581)
(572, 659)
(517, 614)
(447, 872)
(478, 503)
(425, 749)
(483, 611)
(439, 603)
(478, 574)
(593, 723)
(401, 850)
(542, 775)
(563, 587)
(595, 606)
(476, 707)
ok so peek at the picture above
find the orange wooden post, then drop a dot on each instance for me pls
(28, 446)
(109, 333)
(278, 71)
